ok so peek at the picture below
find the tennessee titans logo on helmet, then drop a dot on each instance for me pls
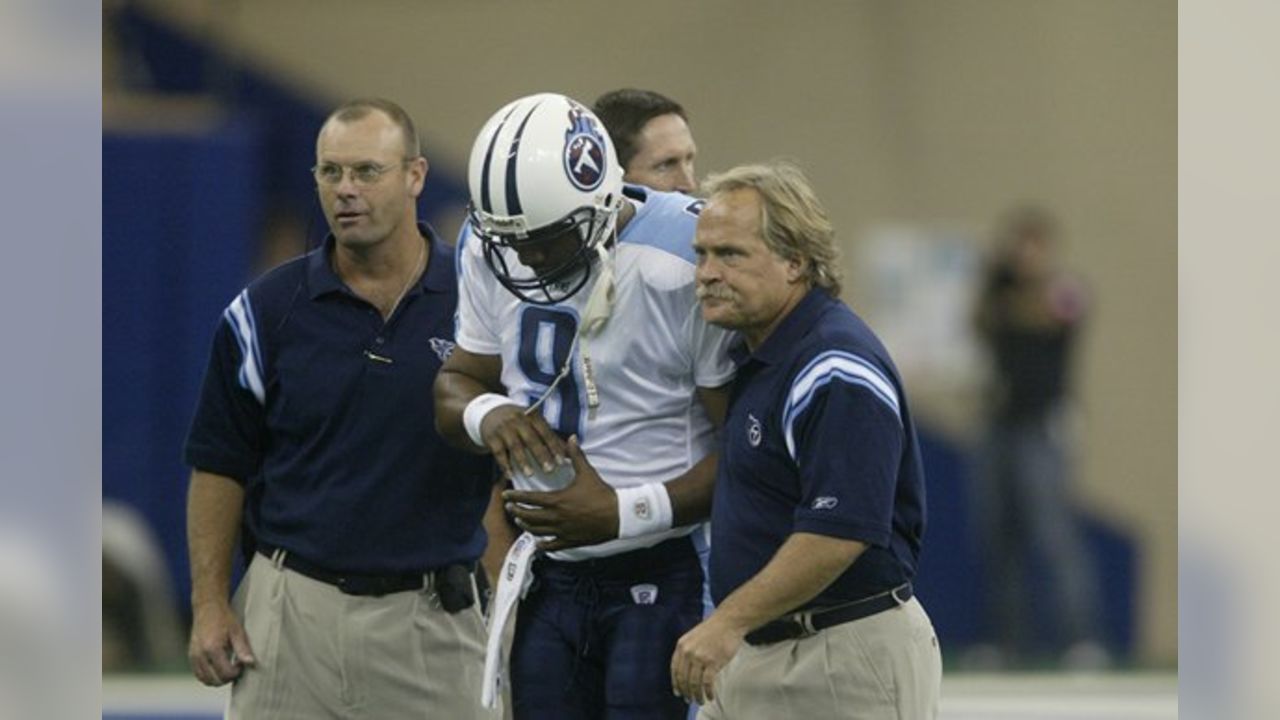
(583, 151)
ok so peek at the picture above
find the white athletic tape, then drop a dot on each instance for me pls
(643, 509)
(477, 409)
(513, 583)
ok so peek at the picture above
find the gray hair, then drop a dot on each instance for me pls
(794, 224)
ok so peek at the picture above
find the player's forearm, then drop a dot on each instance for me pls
(214, 507)
(502, 533)
(463, 378)
(453, 390)
(691, 492)
(804, 566)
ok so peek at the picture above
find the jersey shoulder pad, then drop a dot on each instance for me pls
(665, 221)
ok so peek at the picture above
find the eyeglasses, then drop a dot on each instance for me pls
(363, 174)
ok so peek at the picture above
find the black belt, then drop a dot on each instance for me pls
(350, 583)
(804, 624)
(630, 564)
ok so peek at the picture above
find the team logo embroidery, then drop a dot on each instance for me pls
(442, 348)
(754, 432)
(826, 502)
(583, 151)
(645, 594)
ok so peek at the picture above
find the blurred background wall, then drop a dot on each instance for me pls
(914, 119)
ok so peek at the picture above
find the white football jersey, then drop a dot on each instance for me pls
(655, 350)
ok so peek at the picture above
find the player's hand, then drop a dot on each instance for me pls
(219, 649)
(700, 655)
(583, 513)
(513, 437)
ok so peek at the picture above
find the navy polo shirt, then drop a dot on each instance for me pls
(325, 412)
(818, 439)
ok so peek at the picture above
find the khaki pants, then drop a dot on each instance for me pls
(324, 654)
(883, 667)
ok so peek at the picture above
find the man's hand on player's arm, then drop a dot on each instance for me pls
(505, 430)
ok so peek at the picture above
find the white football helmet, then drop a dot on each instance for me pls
(541, 167)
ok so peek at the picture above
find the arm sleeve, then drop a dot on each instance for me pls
(847, 441)
(226, 435)
(476, 330)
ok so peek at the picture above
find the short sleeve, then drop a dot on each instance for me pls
(711, 364)
(477, 329)
(226, 435)
(842, 428)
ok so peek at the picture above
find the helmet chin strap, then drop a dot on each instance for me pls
(594, 316)
(600, 303)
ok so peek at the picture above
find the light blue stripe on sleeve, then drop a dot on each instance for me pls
(239, 316)
(824, 369)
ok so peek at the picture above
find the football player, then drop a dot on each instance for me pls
(584, 367)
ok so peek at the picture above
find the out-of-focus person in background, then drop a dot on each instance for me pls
(651, 133)
(361, 600)
(141, 629)
(1030, 313)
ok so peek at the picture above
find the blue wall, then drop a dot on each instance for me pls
(180, 216)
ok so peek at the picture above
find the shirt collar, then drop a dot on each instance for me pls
(782, 342)
(322, 279)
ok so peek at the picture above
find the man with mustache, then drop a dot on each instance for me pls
(819, 508)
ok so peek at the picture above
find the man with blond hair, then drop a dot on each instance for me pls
(819, 505)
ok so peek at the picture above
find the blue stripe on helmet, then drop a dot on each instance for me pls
(513, 194)
(486, 203)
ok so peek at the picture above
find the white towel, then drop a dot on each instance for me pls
(513, 583)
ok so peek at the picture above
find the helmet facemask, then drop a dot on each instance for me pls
(588, 227)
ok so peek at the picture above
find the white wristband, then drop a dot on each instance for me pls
(476, 411)
(643, 509)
